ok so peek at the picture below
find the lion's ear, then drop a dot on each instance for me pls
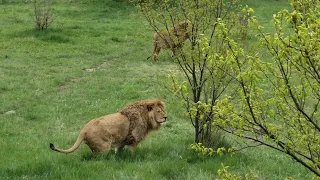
(149, 107)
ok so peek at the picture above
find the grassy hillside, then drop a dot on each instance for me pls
(92, 61)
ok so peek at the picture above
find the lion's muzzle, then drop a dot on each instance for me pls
(162, 120)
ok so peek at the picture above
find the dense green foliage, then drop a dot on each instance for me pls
(90, 62)
(285, 116)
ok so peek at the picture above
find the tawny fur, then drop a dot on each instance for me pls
(172, 39)
(127, 127)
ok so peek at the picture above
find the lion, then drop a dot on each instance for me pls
(127, 127)
(171, 39)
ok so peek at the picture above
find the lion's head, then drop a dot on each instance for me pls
(157, 112)
(186, 25)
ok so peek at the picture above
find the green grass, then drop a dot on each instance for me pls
(92, 61)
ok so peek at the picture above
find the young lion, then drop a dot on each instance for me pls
(127, 127)
(172, 39)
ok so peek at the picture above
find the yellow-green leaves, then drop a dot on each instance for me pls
(224, 174)
(205, 151)
(278, 101)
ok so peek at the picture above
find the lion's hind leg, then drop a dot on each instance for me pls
(100, 146)
(105, 146)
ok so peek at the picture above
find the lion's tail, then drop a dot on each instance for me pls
(73, 148)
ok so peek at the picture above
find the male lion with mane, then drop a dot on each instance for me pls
(171, 39)
(127, 127)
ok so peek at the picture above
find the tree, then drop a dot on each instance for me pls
(278, 101)
(201, 60)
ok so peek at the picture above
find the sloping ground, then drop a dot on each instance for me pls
(92, 61)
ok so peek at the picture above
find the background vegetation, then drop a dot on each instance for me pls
(91, 61)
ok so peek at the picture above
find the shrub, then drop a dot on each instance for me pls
(42, 14)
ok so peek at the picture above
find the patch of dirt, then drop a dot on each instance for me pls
(90, 70)
(77, 79)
